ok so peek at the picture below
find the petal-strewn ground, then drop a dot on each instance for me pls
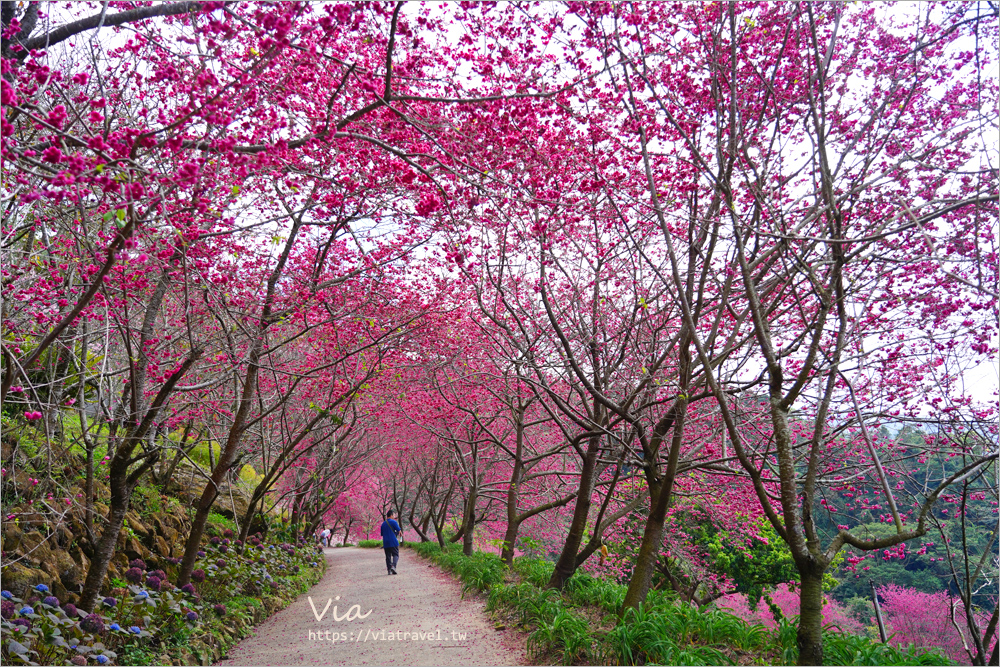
(417, 617)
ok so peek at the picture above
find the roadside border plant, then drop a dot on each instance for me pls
(580, 625)
(150, 615)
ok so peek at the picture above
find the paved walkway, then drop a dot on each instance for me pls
(414, 618)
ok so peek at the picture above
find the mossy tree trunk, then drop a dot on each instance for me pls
(124, 473)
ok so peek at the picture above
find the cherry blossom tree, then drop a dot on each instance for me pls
(519, 253)
(831, 200)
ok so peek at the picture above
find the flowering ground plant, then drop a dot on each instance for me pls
(44, 632)
(149, 614)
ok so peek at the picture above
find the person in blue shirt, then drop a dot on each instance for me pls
(390, 531)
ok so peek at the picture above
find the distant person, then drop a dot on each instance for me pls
(390, 531)
(324, 537)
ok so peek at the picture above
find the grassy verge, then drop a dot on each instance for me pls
(580, 625)
(246, 604)
(245, 612)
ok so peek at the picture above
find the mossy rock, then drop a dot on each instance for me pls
(159, 523)
(63, 536)
(20, 579)
(66, 571)
(81, 559)
(133, 548)
(138, 527)
(161, 548)
(11, 539)
(37, 549)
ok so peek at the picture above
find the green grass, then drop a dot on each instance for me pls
(479, 572)
(250, 476)
(199, 453)
(370, 544)
(562, 625)
(221, 523)
(147, 500)
(840, 648)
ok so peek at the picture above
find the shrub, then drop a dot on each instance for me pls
(143, 622)
(923, 620)
(662, 631)
(786, 599)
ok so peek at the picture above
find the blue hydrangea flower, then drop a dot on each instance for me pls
(115, 626)
(25, 610)
(110, 602)
(42, 588)
(101, 659)
(191, 616)
(135, 630)
(6, 595)
(142, 594)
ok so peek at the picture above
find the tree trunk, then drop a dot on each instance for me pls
(208, 496)
(440, 536)
(419, 526)
(439, 517)
(226, 458)
(507, 552)
(91, 445)
(438, 531)
(104, 552)
(256, 498)
(228, 454)
(470, 522)
(659, 502)
(810, 633)
(566, 565)
(510, 536)
(121, 486)
(247, 519)
(649, 549)
(296, 515)
(122, 482)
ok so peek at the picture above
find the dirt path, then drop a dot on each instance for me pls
(417, 618)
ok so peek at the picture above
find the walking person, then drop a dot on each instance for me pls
(390, 543)
(324, 537)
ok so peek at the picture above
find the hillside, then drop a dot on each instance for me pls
(45, 561)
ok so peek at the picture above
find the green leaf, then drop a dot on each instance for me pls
(121, 214)
(17, 647)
